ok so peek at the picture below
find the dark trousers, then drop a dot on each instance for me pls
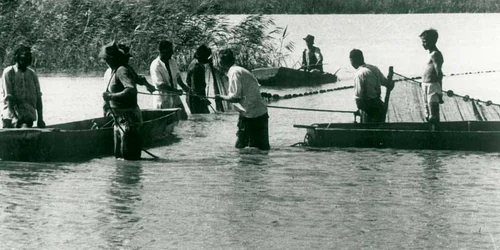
(198, 105)
(372, 110)
(7, 123)
(253, 132)
(127, 134)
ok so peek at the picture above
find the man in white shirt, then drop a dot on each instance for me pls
(244, 89)
(367, 82)
(21, 93)
(165, 76)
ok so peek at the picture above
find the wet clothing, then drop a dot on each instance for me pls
(253, 132)
(22, 89)
(253, 123)
(164, 78)
(126, 113)
(367, 88)
(127, 133)
(196, 81)
(311, 57)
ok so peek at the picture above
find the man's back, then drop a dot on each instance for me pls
(244, 85)
(367, 81)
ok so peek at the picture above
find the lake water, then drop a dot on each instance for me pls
(203, 194)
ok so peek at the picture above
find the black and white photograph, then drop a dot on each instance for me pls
(249, 124)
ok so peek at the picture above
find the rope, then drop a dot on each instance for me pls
(269, 106)
(269, 97)
(318, 110)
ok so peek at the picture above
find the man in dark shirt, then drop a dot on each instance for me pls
(196, 81)
(312, 59)
(121, 100)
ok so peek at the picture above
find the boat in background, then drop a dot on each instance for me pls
(80, 140)
(288, 77)
(459, 135)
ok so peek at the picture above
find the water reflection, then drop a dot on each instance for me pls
(249, 189)
(124, 197)
(434, 208)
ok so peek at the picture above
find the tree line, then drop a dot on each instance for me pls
(66, 36)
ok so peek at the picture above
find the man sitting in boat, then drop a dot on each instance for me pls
(21, 93)
(121, 96)
(312, 59)
(367, 82)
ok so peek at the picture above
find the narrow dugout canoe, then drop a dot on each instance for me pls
(460, 135)
(287, 77)
(77, 140)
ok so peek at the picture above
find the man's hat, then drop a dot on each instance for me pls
(309, 38)
(202, 52)
(111, 50)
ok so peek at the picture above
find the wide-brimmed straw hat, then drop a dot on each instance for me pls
(309, 38)
(111, 51)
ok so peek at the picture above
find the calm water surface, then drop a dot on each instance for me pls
(203, 194)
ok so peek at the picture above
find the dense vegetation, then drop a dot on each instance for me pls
(66, 34)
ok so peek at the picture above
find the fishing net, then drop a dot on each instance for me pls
(407, 105)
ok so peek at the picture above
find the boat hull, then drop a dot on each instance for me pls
(77, 141)
(287, 77)
(468, 135)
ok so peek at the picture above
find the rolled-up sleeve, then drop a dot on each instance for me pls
(6, 85)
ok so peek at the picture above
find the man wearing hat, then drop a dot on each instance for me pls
(121, 100)
(166, 76)
(196, 81)
(312, 59)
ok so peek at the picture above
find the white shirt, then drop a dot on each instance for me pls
(367, 82)
(159, 76)
(244, 85)
(159, 73)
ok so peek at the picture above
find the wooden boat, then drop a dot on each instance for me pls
(460, 135)
(287, 77)
(81, 139)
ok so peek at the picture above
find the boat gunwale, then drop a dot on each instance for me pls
(52, 128)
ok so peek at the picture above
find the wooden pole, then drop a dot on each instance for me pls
(388, 91)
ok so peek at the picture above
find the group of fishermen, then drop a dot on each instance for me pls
(368, 81)
(121, 94)
(23, 99)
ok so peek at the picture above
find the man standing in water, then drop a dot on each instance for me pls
(367, 82)
(312, 59)
(165, 75)
(121, 97)
(432, 80)
(244, 90)
(196, 81)
(21, 93)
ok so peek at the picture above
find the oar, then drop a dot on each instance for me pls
(113, 114)
(388, 92)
